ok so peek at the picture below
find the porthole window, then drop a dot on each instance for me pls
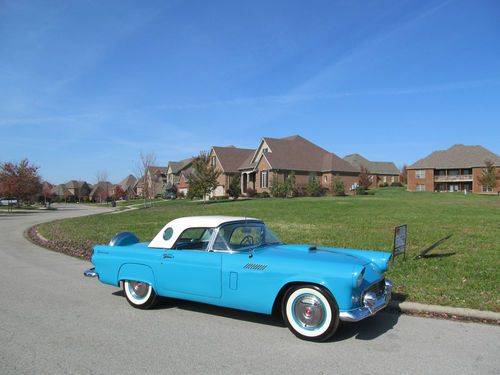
(168, 234)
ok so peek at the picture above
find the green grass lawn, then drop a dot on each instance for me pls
(469, 278)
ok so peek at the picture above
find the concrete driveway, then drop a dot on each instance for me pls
(55, 321)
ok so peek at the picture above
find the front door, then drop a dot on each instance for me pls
(195, 272)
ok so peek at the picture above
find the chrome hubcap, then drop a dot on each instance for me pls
(309, 311)
(137, 289)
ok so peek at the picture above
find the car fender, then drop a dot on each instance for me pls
(340, 289)
(136, 272)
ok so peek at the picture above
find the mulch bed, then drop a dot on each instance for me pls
(77, 249)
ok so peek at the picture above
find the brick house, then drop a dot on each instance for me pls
(227, 160)
(156, 178)
(380, 172)
(276, 158)
(455, 169)
(128, 185)
(79, 191)
(178, 174)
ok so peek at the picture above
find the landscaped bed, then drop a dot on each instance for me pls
(461, 271)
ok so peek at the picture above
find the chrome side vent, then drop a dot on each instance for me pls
(255, 266)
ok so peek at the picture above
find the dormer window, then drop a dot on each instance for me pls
(265, 150)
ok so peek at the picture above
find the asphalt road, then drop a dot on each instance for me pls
(55, 321)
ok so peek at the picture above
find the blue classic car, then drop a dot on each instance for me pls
(238, 262)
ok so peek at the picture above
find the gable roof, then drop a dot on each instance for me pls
(178, 166)
(128, 182)
(457, 156)
(60, 190)
(155, 169)
(104, 186)
(232, 157)
(299, 154)
(374, 167)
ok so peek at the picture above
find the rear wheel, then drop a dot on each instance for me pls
(140, 295)
(310, 312)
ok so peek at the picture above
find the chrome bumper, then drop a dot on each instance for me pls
(90, 273)
(371, 305)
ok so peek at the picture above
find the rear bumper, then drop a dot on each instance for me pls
(90, 273)
(371, 305)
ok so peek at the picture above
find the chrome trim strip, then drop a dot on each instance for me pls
(368, 309)
(90, 273)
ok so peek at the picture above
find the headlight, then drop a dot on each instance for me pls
(360, 278)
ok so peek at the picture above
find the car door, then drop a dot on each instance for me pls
(188, 268)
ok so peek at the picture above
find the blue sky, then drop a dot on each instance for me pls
(88, 85)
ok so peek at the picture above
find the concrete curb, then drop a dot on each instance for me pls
(448, 312)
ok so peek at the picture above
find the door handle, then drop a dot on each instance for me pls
(167, 256)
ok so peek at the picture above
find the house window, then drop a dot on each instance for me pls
(385, 179)
(420, 187)
(326, 178)
(263, 179)
(487, 189)
(392, 179)
(466, 171)
(265, 150)
(214, 159)
(420, 173)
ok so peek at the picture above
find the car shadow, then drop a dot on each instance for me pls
(367, 329)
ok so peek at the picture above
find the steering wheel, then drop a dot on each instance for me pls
(247, 240)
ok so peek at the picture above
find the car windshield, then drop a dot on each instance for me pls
(244, 236)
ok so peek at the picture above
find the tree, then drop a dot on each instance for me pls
(102, 183)
(283, 189)
(170, 191)
(203, 180)
(20, 180)
(146, 161)
(403, 176)
(119, 193)
(234, 189)
(364, 178)
(338, 187)
(314, 188)
(46, 192)
(489, 177)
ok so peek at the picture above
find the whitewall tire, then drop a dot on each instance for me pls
(140, 295)
(310, 312)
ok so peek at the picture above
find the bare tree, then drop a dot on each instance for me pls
(364, 178)
(403, 178)
(145, 162)
(102, 177)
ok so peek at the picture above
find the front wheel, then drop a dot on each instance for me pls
(310, 312)
(140, 295)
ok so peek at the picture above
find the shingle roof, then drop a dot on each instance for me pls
(104, 186)
(60, 190)
(299, 154)
(374, 167)
(178, 166)
(154, 168)
(128, 182)
(232, 157)
(457, 156)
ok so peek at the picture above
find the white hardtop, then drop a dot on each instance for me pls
(179, 225)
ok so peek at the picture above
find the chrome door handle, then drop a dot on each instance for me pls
(167, 256)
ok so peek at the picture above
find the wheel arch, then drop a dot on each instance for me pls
(136, 272)
(276, 309)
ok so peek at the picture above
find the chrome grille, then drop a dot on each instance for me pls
(378, 288)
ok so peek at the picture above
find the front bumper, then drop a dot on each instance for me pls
(371, 305)
(90, 273)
